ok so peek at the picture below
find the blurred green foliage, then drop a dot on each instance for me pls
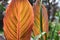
(2, 8)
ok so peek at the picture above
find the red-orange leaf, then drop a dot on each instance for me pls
(18, 20)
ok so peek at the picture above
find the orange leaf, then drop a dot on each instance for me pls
(36, 28)
(18, 21)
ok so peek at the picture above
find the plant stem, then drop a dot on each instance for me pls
(41, 30)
